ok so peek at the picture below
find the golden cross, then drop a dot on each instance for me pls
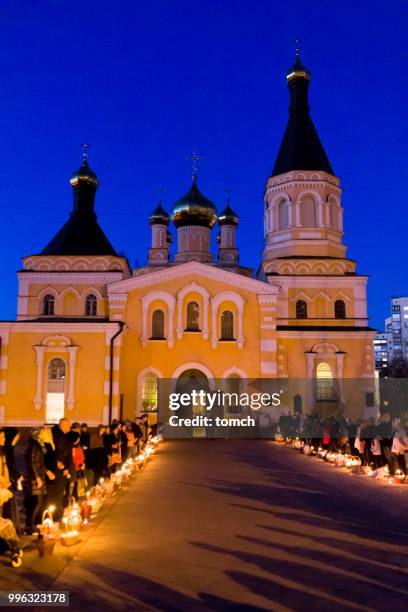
(85, 151)
(195, 158)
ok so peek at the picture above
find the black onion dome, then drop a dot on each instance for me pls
(84, 175)
(228, 216)
(298, 70)
(159, 216)
(194, 209)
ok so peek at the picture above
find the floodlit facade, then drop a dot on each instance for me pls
(92, 337)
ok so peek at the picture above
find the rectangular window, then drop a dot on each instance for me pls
(55, 407)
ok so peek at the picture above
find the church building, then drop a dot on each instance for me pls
(93, 338)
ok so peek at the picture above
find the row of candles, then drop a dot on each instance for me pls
(78, 513)
(344, 460)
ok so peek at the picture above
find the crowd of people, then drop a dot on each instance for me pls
(377, 442)
(61, 462)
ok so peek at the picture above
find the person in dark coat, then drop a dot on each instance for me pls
(111, 441)
(96, 459)
(63, 455)
(384, 432)
(35, 487)
(137, 432)
(85, 437)
(10, 511)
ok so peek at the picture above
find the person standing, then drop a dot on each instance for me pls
(35, 486)
(131, 441)
(10, 511)
(85, 437)
(399, 448)
(63, 455)
(96, 458)
(5, 484)
(384, 432)
(112, 446)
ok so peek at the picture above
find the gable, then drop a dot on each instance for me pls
(202, 273)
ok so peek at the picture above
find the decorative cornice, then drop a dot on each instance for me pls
(51, 327)
(320, 281)
(319, 335)
(63, 277)
(197, 268)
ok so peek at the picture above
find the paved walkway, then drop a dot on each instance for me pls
(244, 525)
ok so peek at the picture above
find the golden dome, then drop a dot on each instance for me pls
(194, 209)
(84, 175)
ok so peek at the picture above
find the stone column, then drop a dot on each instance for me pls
(240, 335)
(72, 351)
(214, 336)
(340, 369)
(144, 337)
(170, 334)
(38, 400)
(297, 213)
(205, 317)
(179, 317)
(310, 357)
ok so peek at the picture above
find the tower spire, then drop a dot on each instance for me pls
(301, 148)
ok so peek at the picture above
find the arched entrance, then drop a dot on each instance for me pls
(188, 381)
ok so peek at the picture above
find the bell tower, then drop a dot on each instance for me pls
(303, 216)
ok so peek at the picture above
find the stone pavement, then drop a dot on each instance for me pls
(243, 525)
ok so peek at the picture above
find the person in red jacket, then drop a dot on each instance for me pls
(78, 461)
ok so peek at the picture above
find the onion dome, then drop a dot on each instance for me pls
(228, 216)
(298, 70)
(159, 216)
(194, 209)
(84, 176)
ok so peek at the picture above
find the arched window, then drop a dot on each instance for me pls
(158, 325)
(55, 404)
(149, 393)
(227, 325)
(301, 309)
(193, 317)
(91, 305)
(48, 304)
(308, 212)
(283, 212)
(339, 309)
(324, 382)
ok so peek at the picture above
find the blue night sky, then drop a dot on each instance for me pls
(147, 82)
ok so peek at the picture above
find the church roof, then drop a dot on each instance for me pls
(301, 148)
(81, 234)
